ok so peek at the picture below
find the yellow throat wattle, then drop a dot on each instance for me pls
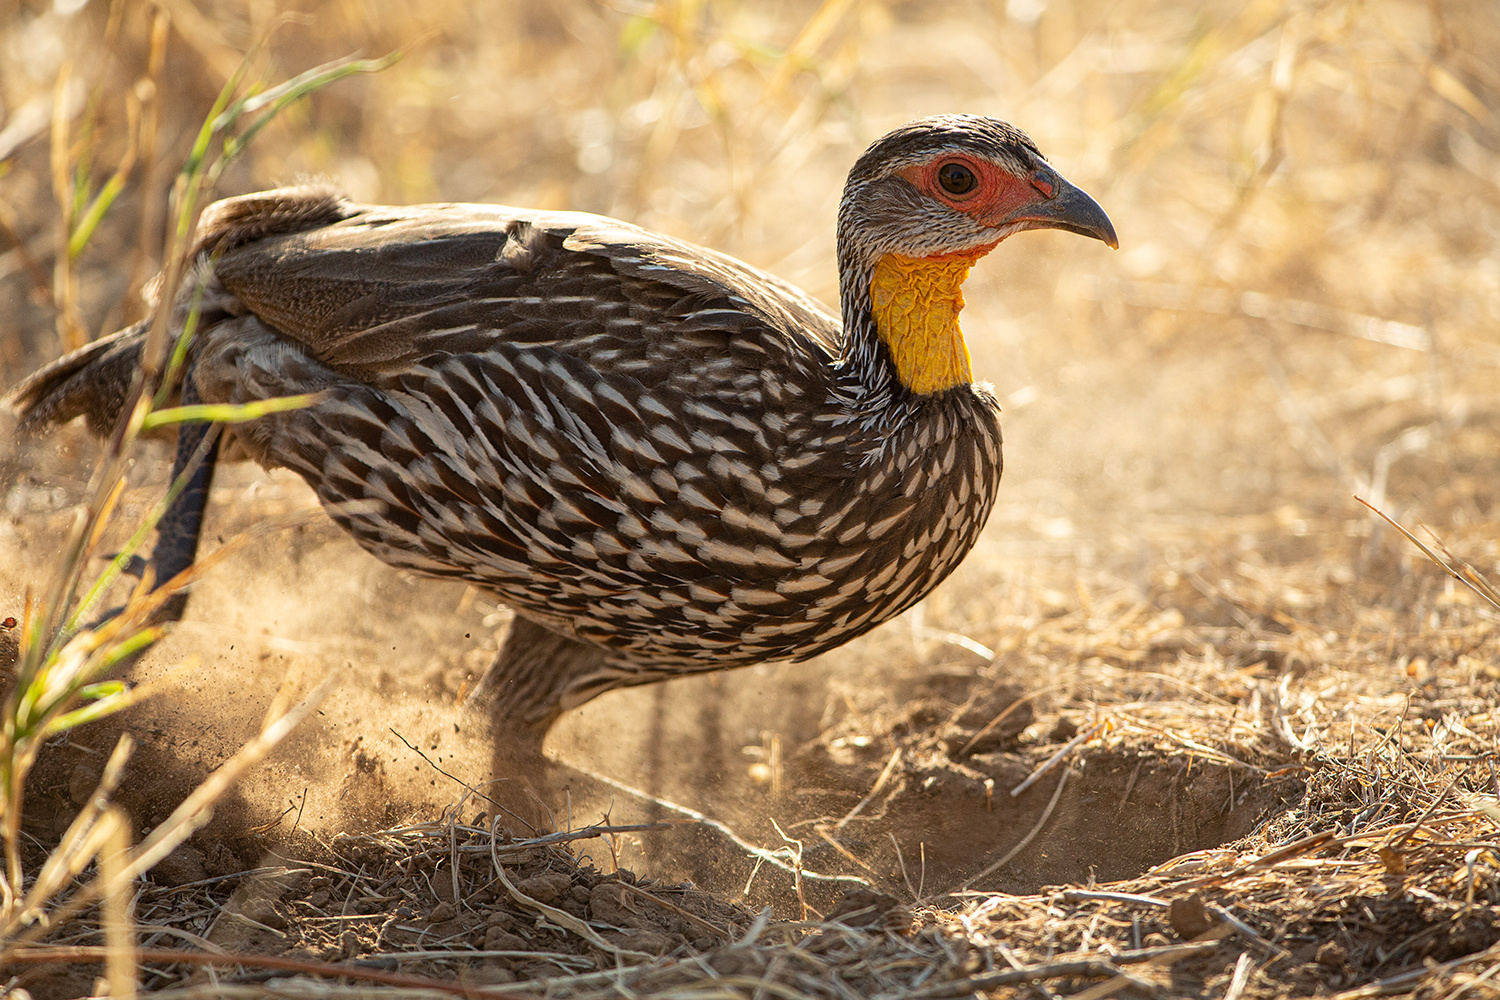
(917, 301)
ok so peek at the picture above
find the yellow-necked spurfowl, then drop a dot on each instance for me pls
(665, 460)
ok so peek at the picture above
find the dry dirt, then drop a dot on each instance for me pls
(1255, 715)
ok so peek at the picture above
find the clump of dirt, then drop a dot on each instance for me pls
(470, 906)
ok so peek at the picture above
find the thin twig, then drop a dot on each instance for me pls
(1304, 846)
(1241, 977)
(561, 918)
(1395, 845)
(1062, 781)
(695, 920)
(1057, 758)
(885, 775)
(761, 854)
(1480, 586)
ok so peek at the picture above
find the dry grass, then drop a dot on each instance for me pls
(1381, 879)
(1302, 311)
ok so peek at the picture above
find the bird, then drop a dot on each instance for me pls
(666, 461)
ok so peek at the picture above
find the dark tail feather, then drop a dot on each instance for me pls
(92, 383)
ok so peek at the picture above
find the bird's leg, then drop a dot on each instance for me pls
(181, 525)
(537, 675)
(530, 684)
(178, 531)
(516, 700)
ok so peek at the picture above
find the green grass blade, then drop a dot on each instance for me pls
(184, 340)
(125, 648)
(229, 413)
(117, 565)
(277, 98)
(93, 215)
(102, 704)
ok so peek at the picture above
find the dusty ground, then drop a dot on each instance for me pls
(1302, 310)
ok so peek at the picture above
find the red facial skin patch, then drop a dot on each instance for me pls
(995, 198)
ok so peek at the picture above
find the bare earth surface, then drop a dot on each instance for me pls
(1190, 721)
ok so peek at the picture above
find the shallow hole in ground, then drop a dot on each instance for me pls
(918, 801)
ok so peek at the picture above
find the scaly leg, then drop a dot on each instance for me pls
(535, 678)
(178, 532)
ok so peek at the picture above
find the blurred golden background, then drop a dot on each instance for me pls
(1304, 308)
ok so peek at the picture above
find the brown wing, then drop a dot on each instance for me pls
(380, 288)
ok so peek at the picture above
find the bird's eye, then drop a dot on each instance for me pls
(957, 178)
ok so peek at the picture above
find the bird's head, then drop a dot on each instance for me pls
(920, 207)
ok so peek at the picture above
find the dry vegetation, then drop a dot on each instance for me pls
(1270, 720)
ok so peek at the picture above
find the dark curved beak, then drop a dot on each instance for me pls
(1061, 205)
